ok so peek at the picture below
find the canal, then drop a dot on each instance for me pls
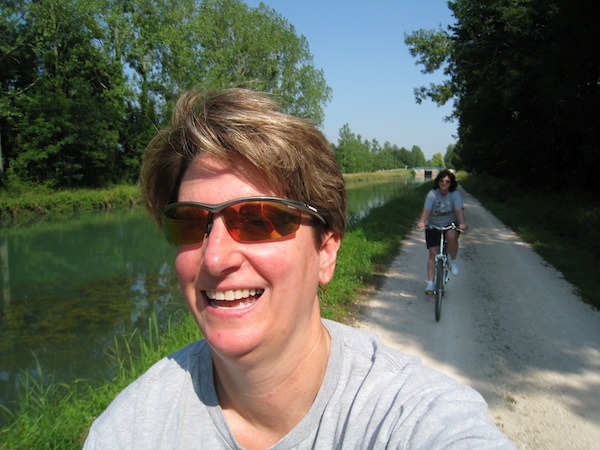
(71, 287)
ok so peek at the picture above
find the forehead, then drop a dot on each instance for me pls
(210, 177)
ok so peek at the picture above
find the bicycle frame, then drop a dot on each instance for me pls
(442, 267)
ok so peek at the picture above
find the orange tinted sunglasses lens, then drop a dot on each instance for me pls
(261, 221)
(246, 221)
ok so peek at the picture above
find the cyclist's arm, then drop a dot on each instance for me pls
(460, 215)
(424, 217)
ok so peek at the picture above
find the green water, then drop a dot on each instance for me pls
(70, 287)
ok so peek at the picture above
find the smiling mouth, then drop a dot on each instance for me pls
(237, 298)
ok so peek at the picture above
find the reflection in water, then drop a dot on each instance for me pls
(71, 287)
(362, 198)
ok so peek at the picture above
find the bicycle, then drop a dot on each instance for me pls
(442, 268)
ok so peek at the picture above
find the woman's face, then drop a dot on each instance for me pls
(444, 184)
(274, 283)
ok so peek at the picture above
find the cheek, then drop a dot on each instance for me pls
(186, 265)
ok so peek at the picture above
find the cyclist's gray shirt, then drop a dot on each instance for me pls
(372, 397)
(443, 207)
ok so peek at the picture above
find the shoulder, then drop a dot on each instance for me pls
(408, 403)
(156, 393)
(456, 195)
(180, 363)
(431, 195)
(368, 352)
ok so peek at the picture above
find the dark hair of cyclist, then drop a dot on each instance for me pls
(445, 173)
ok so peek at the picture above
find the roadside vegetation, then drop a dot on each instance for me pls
(32, 203)
(561, 226)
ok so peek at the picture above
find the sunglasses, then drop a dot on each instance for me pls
(248, 219)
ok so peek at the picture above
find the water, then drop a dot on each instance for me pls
(70, 287)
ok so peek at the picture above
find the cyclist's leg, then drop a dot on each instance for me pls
(432, 239)
(452, 243)
(452, 246)
(431, 262)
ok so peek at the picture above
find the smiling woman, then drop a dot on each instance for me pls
(270, 372)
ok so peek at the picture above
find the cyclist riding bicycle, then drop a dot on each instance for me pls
(443, 206)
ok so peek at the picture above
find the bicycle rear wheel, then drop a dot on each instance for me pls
(439, 288)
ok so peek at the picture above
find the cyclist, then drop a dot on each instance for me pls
(443, 206)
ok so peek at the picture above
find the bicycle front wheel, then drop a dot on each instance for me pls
(439, 288)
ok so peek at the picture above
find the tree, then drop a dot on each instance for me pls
(437, 160)
(524, 79)
(86, 83)
(417, 156)
(65, 123)
(432, 49)
(386, 157)
(259, 49)
(404, 158)
(352, 153)
(451, 158)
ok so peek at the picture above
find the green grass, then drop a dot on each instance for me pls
(562, 227)
(54, 415)
(28, 205)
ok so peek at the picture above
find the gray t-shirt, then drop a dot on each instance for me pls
(372, 397)
(443, 207)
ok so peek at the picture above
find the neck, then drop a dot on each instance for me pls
(262, 402)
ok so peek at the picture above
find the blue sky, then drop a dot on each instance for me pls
(359, 45)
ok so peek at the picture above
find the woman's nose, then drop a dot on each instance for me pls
(220, 253)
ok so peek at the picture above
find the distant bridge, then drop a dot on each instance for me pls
(427, 172)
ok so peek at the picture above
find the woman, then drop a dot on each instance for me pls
(255, 203)
(443, 206)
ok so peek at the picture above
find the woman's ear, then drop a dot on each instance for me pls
(328, 256)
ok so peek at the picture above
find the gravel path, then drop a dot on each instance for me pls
(511, 327)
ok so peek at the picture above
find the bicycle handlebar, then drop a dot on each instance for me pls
(452, 226)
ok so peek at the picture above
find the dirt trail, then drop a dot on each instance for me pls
(511, 327)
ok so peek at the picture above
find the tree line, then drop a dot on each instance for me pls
(84, 84)
(355, 154)
(524, 78)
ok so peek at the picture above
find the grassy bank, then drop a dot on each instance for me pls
(34, 203)
(374, 177)
(31, 203)
(59, 416)
(561, 227)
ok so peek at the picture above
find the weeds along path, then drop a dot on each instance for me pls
(511, 327)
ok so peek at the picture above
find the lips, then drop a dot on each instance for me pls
(232, 298)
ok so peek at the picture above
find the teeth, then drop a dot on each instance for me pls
(231, 295)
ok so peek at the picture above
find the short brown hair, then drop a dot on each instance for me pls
(292, 154)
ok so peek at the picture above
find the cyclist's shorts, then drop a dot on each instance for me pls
(432, 238)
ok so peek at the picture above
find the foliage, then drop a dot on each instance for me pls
(524, 76)
(259, 49)
(437, 160)
(84, 84)
(451, 158)
(355, 154)
(31, 204)
(432, 49)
